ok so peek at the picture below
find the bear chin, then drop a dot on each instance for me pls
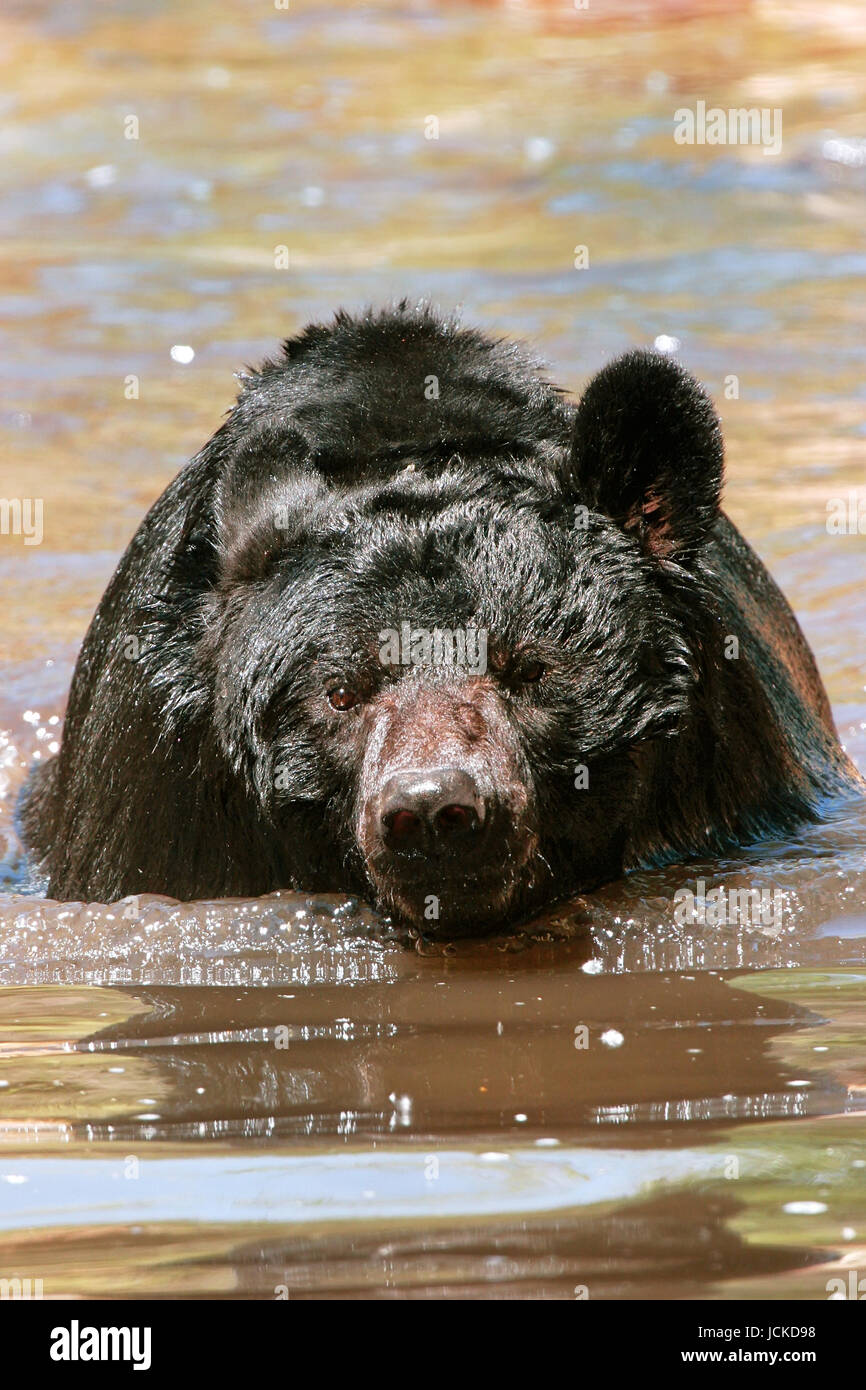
(473, 906)
(479, 903)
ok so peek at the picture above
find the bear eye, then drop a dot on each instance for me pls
(533, 672)
(342, 699)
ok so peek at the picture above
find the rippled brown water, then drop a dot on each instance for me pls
(241, 1099)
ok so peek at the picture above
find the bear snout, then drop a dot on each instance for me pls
(447, 846)
(434, 811)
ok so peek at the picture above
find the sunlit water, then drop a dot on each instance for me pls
(287, 1095)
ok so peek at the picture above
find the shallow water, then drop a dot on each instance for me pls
(241, 1099)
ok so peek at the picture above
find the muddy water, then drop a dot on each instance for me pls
(254, 1098)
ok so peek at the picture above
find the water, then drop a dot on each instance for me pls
(250, 1099)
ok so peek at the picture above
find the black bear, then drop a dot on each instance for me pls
(412, 625)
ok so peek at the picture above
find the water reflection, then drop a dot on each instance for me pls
(434, 1137)
(529, 1053)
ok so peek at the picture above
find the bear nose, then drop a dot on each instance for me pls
(432, 809)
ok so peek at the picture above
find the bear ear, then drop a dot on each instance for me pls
(647, 451)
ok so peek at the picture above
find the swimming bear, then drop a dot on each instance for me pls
(416, 626)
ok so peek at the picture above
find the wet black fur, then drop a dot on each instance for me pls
(338, 499)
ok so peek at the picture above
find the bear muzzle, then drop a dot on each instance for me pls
(441, 851)
(433, 812)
